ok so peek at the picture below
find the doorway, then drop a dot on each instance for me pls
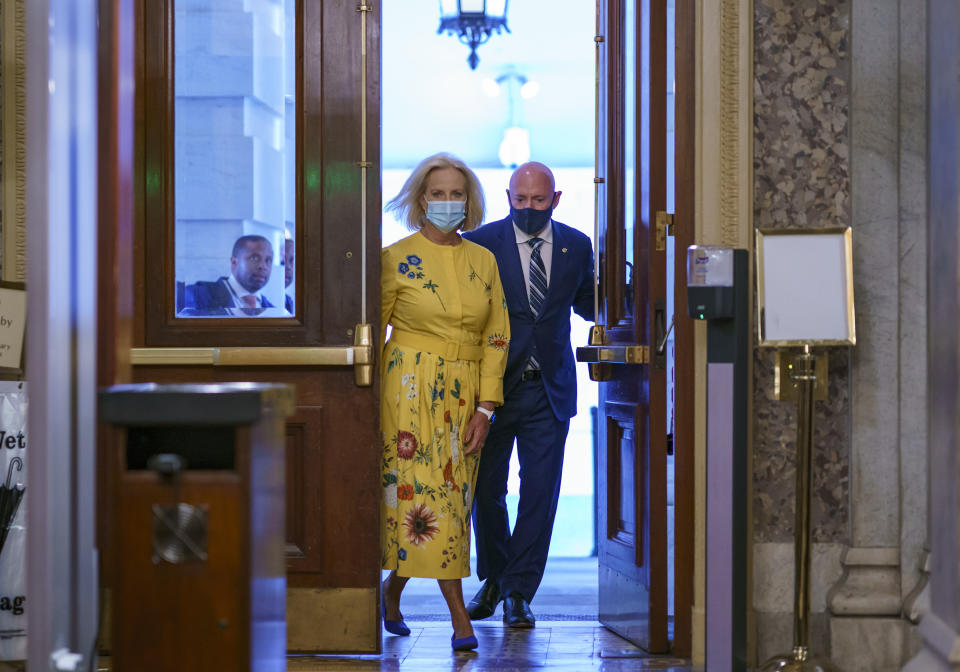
(336, 277)
(532, 96)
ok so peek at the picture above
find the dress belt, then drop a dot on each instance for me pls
(437, 346)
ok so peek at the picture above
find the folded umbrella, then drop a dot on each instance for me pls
(10, 496)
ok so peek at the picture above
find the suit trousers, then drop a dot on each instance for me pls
(517, 560)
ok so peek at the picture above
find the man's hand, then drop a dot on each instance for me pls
(477, 429)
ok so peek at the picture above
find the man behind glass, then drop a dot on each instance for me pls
(240, 293)
(289, 257)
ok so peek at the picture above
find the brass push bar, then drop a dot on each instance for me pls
(350, 355)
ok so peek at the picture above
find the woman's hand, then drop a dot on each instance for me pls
(477, 429)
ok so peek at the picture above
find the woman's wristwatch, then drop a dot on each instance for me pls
(487, 412)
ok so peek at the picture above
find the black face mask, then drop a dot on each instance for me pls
(529, 220)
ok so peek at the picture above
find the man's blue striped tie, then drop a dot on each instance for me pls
(538, 286)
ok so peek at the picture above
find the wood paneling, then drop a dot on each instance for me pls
(633, 401)
(683, 441)
(115, 127)
(296, 525)
(333, 439)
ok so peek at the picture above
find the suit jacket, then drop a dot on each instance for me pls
(571, 287)
(211, 298)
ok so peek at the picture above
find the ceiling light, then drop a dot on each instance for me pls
(473, 22)
(529, 90)
(515, 147)
(490, 87)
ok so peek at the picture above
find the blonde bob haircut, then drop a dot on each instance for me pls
(406, 207)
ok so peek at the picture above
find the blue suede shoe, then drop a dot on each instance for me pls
(393, 627)
(464, 643)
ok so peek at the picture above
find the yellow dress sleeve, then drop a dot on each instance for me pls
(388, 291)
(495, 341)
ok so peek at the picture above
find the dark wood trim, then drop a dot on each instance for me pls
(115, 63)
(684, 412)
(115, 190)
(299, 238)
(612, 147)
(654, 29)
(139, 171)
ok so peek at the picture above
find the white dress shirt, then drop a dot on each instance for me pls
(239, 290)
(526, 252)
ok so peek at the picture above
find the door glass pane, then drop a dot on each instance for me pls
(235, 89)
(629, 151)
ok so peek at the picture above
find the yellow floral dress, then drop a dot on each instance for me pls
(447, 351)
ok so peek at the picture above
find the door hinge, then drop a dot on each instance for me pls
(664, 224)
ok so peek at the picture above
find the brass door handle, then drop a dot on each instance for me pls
(614, 354)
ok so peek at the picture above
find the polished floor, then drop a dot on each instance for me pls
(563, 646)
(567, 636)
(552, 645)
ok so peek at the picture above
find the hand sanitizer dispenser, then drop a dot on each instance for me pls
(710, 288)
(717, 287)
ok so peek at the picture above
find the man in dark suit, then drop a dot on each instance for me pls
(289, 274)
(239, 293)
(546, 269)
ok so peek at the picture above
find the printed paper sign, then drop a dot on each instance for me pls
(13, 516)
(13, 313)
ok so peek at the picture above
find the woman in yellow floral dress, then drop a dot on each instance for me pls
(442, 376)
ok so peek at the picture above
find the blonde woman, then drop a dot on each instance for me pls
(442, 377)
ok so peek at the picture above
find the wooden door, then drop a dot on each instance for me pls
(632, 496)
(206, 96)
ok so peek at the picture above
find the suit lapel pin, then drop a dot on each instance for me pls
(563, 249)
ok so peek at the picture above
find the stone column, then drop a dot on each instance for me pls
(887, 400)
(913, 309)
(940, 626)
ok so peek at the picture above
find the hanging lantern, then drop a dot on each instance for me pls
(473, 22)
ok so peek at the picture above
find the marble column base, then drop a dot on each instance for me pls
(870, 585)
(869, 644)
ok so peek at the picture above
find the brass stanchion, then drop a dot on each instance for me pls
(800, 659)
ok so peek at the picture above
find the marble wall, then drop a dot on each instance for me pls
(801, 180)
(839, 117)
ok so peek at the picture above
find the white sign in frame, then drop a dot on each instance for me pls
(805, 287)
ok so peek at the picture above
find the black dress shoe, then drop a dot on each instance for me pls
(516, 611)
(485, 602)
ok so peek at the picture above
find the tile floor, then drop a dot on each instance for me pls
(567, 637)
(561, 646)
(553, 645)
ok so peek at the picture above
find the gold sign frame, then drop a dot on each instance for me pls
(13, 31)
(843, 292)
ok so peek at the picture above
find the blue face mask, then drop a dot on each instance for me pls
(529, 220)
(446, 215)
